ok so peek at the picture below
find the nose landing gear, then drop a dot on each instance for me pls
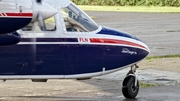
(130, 84)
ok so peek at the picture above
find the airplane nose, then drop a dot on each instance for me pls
(143, 50)
(131, 45)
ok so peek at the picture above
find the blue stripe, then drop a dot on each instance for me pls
(50, 40)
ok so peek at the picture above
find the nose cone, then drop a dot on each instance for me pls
(131, 48)
(48, 11)
(143, 50)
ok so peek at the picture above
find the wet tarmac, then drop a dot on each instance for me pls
(159, 30)
(154, 86)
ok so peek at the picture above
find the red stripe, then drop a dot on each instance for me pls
(3, 14)
(20, 14)
(113, 41)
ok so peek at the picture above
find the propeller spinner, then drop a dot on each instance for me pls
(42, 11)
(38, 1)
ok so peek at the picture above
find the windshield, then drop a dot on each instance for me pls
(77, 20)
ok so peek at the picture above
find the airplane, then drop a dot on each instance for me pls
(69, 45)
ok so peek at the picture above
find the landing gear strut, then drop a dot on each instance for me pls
(130, 84)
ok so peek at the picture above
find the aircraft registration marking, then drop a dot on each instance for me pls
(84, 40)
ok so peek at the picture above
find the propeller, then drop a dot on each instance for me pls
(42, 11)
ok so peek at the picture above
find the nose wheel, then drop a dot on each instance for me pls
(130, 84)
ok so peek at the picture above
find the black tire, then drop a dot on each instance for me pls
(129, 90)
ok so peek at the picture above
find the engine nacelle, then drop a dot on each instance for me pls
(9, 39)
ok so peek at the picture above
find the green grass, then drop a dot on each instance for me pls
(164, 56)
(145, 85)
(131, 8)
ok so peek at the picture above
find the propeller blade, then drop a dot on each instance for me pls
(41, 22)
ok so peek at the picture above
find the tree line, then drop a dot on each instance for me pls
(172, 3)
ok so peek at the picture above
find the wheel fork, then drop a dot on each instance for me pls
(133, 72)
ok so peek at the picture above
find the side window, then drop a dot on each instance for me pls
(71, 21)
(77, 21)
(50, 24)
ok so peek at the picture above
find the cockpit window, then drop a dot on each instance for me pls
(77, 21)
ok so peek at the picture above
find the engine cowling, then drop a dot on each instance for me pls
(16, 15)
(9, 39)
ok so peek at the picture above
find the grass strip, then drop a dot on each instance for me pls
(145, 85)
(132, 9)
(164, 56)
